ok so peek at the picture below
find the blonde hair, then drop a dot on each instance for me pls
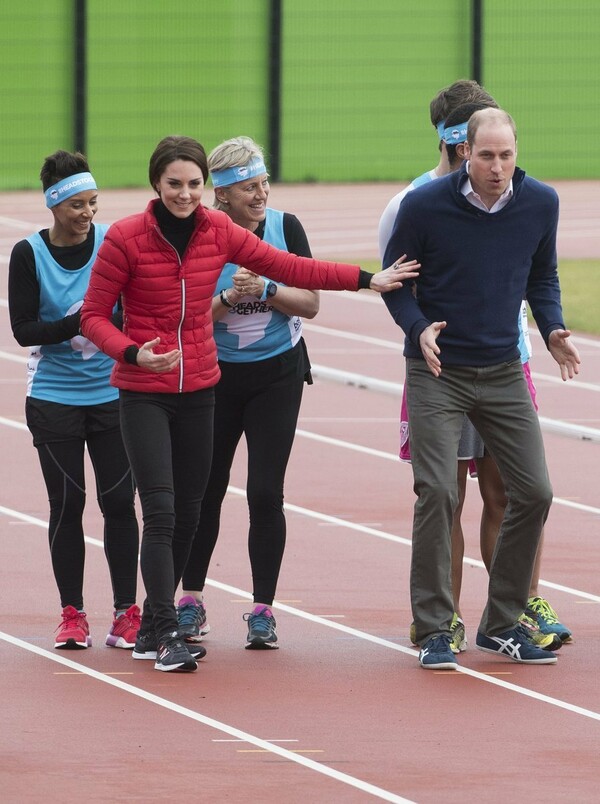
(236, 152)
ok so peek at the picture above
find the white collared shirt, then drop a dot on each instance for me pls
(475, 199)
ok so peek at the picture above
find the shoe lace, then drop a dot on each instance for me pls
(188, 614)
(69, 620)
(440, 644)
(260, 622)
(541, 606)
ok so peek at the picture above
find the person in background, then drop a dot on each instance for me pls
(165, 263)
(461, 99)
(70, 403)
(463, 327)
(264, 365)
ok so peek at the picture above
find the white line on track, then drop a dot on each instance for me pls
(337, 626)
(284, 753)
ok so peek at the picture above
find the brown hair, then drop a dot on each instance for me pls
(172, 148)
(448, 98)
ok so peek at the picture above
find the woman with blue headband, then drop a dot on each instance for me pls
(165, 263)
(264, 365)
(70, 403)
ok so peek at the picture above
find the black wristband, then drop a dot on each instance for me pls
(225, 300)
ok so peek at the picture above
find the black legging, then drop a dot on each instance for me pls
(169, 439)
(262, 400)
(62, 465)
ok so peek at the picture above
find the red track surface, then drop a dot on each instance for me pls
(342, 713)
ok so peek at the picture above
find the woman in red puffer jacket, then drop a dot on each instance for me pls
(164, 263)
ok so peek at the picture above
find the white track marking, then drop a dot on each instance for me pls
(238, 734)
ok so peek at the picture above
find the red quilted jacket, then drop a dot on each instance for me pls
(170, 298)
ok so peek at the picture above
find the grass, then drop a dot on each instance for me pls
(580, 287)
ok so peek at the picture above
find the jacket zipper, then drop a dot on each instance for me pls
(182, 319)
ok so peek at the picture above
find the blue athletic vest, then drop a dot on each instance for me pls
(253, 329)
(73, 372)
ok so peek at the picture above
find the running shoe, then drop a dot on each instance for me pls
(516, 644)
(543, 641)
(261, 628)
(172, 655)
(458, 636)
(124, 629)
(540, 610)
(191, 619)
(436, 654)
(146, 647)
(73, 631)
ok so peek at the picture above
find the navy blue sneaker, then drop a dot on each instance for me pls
(517, 645)
(436, 654)
(261, 629)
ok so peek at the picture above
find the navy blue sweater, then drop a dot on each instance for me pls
(476, 269)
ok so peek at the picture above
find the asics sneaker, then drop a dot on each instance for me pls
(123, 631)
(73, 631)
(261, 628)
(540, 610)
(191, 619)
(146, 647)
(172, 655)
(516, 644)
(458, 636)
(436, 654)
(543, 641)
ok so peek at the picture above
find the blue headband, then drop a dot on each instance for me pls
(223, 178)
(65, 188)
(440, 129)
(455, 134)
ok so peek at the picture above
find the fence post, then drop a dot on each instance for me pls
(80, 77)
(477, 41)
(274, 88)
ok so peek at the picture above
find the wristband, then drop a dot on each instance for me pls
(225, 300)
(270, 289)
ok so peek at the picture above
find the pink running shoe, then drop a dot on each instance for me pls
(124, 629)
(74, 631)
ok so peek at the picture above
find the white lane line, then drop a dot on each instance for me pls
(345, 629)
(284, 753)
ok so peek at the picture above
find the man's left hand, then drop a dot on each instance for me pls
(564, 352)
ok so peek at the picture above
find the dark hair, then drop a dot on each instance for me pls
(462, 114)
(447, 99)
(172, 148)
(60, 165)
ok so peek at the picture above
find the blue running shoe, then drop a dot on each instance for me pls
(261, 629)
(517, 645)
(542, 612)
(191, 619)
(436, 654)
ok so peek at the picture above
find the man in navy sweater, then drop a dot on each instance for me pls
(486, 239)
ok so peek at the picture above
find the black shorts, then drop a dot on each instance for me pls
(52, 421)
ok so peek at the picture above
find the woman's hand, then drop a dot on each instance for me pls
(393, 277)
(247, 283)
(159, 364)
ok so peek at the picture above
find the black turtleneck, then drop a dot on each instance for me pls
(177, 231)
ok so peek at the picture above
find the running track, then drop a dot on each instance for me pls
(342, 713)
